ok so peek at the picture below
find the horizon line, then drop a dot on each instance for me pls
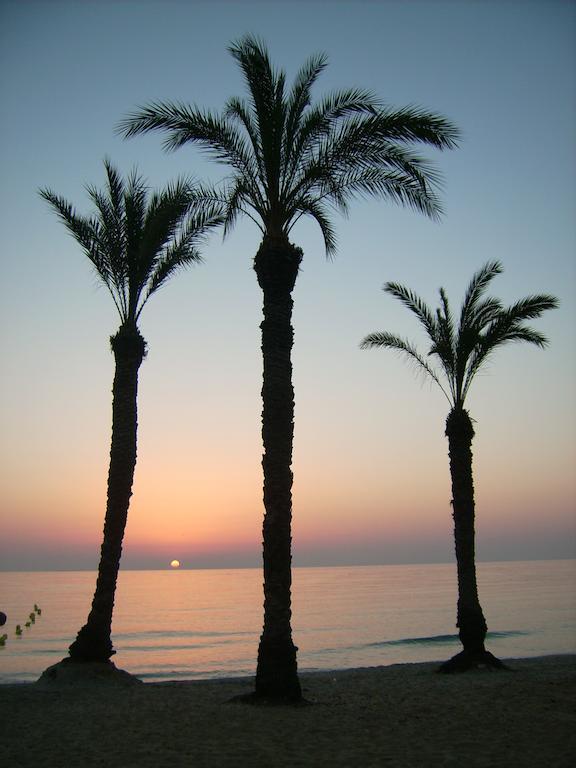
(294, 567)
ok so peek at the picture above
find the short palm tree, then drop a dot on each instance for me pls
(484, 326)
(135, 242)
(288, 159)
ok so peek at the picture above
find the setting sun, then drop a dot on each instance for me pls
(175, 564)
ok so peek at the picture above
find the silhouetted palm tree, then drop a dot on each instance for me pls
(462, 350)
(135, 242)
(288, 159)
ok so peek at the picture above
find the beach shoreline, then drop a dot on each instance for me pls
(398, 715)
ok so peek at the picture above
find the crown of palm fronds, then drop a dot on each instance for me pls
(290, 158)
(137, 240)
(484, 325)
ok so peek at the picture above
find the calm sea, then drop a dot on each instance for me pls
(189, 624)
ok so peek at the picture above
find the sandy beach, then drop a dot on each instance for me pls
(401, 715)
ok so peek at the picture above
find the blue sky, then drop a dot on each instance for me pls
(371, 472)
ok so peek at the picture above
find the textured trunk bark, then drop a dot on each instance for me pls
(471, 623)
(93, 642)
(276, 265)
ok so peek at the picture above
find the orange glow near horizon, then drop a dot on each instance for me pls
(210, 517)
(371, 479)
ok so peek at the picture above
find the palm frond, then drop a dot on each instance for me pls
(177, 222)
(237, 110)
(444, 347)
(396, 170)
(477, 288)
(266, 88)
(110, 212)
(349, 163)
(178, 255)
(484, 312)
(252, 56)
(132, 224)
(484, 326)
(506, 326)
(416, 305)
(446, 320)
(137, 242)
(497, 336)
(156, 116)
(475, 315)
(401, 189)
(299, 98)
(239, 200)
(313, 208)
(529, 308)
(87, 232)
(183, 124)
(405, 348)
(303, 136)
(414, 124)
(115, 185)
(289, 156)
(161, 220)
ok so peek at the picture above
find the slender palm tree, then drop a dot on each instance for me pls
(484, 326)
(290, 158)
(136, 241)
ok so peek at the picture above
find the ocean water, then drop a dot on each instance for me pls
(194, 624)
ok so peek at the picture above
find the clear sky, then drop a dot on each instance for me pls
(370, 456)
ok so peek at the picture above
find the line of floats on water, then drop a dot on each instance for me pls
(27, 624)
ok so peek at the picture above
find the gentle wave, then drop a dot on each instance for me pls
(160, 675)
(441, 639)
(175, 633)
(156, 647)
(405, 642)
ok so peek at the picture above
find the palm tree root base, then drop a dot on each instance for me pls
(70, 673)
(469, 660)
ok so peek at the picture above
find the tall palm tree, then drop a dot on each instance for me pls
(136, 242)
(484, 326)
(289, 158)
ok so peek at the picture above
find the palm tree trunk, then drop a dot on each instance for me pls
(276, 265)
(93, 642)
(472, 628)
